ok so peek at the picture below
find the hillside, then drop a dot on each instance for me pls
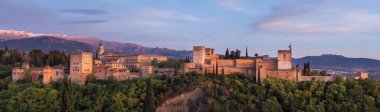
(338, 61)
(17, 39)
(46, 43)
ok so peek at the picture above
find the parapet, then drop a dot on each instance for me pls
(284, 51)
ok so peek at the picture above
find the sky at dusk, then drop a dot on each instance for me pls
(346, 27)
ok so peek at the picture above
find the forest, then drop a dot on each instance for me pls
(230, 93)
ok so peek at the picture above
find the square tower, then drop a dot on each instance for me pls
(284, 60)
(80, 66)
(199, 54)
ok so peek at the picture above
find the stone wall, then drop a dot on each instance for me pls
(284, 59)
(80, 66)
(245, 63)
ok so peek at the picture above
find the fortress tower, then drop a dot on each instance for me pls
(203, 55)
(285, 59)
(80, 66)
(100, 50)
(199, 54)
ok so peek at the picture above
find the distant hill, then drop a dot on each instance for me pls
(328, 60)
(46, 43)
(26, 40)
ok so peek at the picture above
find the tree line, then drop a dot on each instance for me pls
(36, 58)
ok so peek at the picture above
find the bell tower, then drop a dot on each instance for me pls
(100, 49)
(285, 59)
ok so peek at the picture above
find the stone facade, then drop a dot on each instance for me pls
(205, 61)
(43, 75)
(80, 66)
(104, 72)
(122, 66)
(361, 75)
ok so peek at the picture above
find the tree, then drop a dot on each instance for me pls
(118, 103)
(5, 71)
(38, 58)
(149, 98)
(237, 55)
(34, 99)
(246, 52)
(217, 69)
(256, 55)
(67, 95)
(213, 71)
(271, 105)
(227, 55)
(223, 77)
(154, 62)
(232, 54)
(306, 69)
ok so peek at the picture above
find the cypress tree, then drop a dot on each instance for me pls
(227, 55)
(308, 67)
(223, 77)
(149, 98)
(246, 52)
(67, 95)
(213, 70)
(217, 69)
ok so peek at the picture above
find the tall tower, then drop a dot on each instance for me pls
(285, 59)
(80, 66)
(100, 49)
(199, 54)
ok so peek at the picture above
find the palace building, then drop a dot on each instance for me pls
(80, 66)
(43, 75)
(206, 61)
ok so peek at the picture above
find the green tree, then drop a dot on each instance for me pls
(227, 54)
(154, 62)
(223, 77)
(246, 52)
(68, 95)
(38, 58)
(35, 100)
(118, 101)
(5, 71)
(149, 98)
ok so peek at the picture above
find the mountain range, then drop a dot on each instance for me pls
(331, 60)
(27, 41)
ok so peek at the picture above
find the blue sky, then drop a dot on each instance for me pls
(314, 27)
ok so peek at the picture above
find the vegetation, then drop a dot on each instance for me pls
(36, 58)
(241, 93)
(307, 72)
(233, 54)
(170, 63)
(235, 92)
(95, 95)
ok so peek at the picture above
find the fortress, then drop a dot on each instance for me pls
(206, 61)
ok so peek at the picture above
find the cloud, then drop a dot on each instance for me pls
(85, 22)
(231, 4)
(347, 23)
(85, 11)
(170, 15)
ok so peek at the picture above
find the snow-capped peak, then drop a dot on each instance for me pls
(14, 34)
